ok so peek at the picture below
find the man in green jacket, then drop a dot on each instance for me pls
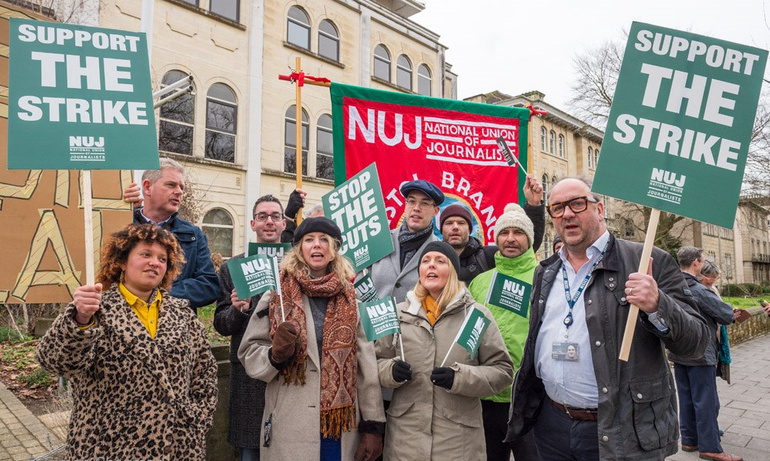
(514, 234)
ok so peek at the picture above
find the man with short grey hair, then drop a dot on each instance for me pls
(696, 377)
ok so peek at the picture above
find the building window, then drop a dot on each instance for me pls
(590, 157)
(290, 141)
(221, 123)
(191, 2)
(324, 159)
(298, 28)
(552, 144)
(218, 227)
(728, 266)
(175, 133)
(545, 187)
(423, 80)
(543, 139)
(561, 145)
(596, 157)
(229, 9)
(404, 73)
(328, 41)
(547, 245)
(382, 63)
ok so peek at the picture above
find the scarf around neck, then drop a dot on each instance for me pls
(339, 351)
(410, 241)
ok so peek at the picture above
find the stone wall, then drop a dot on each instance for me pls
(757, 325)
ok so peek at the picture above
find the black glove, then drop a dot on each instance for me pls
(294, 204)
(443, 377)
(402, 371)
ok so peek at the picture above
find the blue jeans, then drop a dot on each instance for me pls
(560, 437)
(249, 454)
(696, 387)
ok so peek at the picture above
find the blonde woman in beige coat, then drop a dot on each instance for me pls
(435, 413)
(323, 399)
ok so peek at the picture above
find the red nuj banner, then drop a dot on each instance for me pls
(449, 143)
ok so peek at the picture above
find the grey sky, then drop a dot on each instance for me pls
(515, 46)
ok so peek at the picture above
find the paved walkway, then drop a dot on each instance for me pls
(22, 435)
(745, 413)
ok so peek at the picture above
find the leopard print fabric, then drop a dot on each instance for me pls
(135, 398)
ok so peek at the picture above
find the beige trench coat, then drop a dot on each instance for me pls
(427, 422)
(295, 410)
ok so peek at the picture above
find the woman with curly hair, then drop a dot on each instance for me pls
(143, 377)
(310, 349)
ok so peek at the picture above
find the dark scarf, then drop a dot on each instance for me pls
(410, 241)
(338, 355)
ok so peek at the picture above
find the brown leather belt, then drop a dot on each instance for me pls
(578, 414)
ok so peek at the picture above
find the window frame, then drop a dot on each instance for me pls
(217, 227)
(326, 36)
(170, 77)
(383, 60)
(291, 21)
(305, 138)
(422, 78)
(405, 71)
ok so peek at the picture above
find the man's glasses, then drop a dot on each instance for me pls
(414, 203)
(577, 205)
(262, 217)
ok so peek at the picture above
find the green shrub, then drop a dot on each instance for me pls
(742, 290)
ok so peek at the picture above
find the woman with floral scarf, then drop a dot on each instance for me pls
(323, 398)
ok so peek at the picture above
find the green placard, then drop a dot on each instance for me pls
(509, 293)
(379, 318)
(275, 250)
(471, 331)
(358, 209)
(365, 290)
(80, 98)
(252, 275)
(680, 123)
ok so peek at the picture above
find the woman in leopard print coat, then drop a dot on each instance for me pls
(135, 396)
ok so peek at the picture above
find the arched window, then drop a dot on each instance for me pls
(543, 139)
(324, 158)
(175, 133)
(590, 157)
(328, 41)
(290, 141)
(382, 63)
(423, 80)
(545, 186)
(218, 227)
(229, 9)
(221, 123)
(552, 144)
(298, 28)
(596, 157)
(561, 145)
(404, 72)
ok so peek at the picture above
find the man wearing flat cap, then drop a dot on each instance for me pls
(396, 274)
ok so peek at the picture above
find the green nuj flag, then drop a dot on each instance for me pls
(252, 275)
(509, 293)
(379, 318)
(471, 331)
(276, 250)
(365, 290)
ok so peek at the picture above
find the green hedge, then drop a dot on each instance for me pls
(744, 289)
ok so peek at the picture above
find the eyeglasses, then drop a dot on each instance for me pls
(262, 217)
(577, 205)
(414, 203)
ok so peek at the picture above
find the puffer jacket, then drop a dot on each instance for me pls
(427, 422)
(637, 399)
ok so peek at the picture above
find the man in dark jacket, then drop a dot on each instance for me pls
(456, 225)
(696, 377)
(247, 395)
(582, 401)
(162, 190)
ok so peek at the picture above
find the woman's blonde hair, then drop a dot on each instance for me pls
(294, 262)
(452, 288)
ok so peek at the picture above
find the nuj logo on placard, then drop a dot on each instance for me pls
(666, 185)
(86, 148)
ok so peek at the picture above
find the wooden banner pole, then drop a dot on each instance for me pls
(644, 264)
(88, 227)
(298, 145)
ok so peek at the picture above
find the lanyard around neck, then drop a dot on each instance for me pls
(572, 300)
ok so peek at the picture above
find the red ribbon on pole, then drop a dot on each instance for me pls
(533, 111)
(300, 77)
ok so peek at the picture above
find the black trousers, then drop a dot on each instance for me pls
(495, 415)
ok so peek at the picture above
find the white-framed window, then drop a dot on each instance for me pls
(298, 28)
(545, 186)
(596, 157)
(221, 123)
(552, 143)
(328, 40)
(218, 227)
(561, 145)
(424, 80)
(230, 9)
(290, 141)
(404, 72)
(177, 118)
(543, 139)
(324, 158)
(590, 157)
(382, 63)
